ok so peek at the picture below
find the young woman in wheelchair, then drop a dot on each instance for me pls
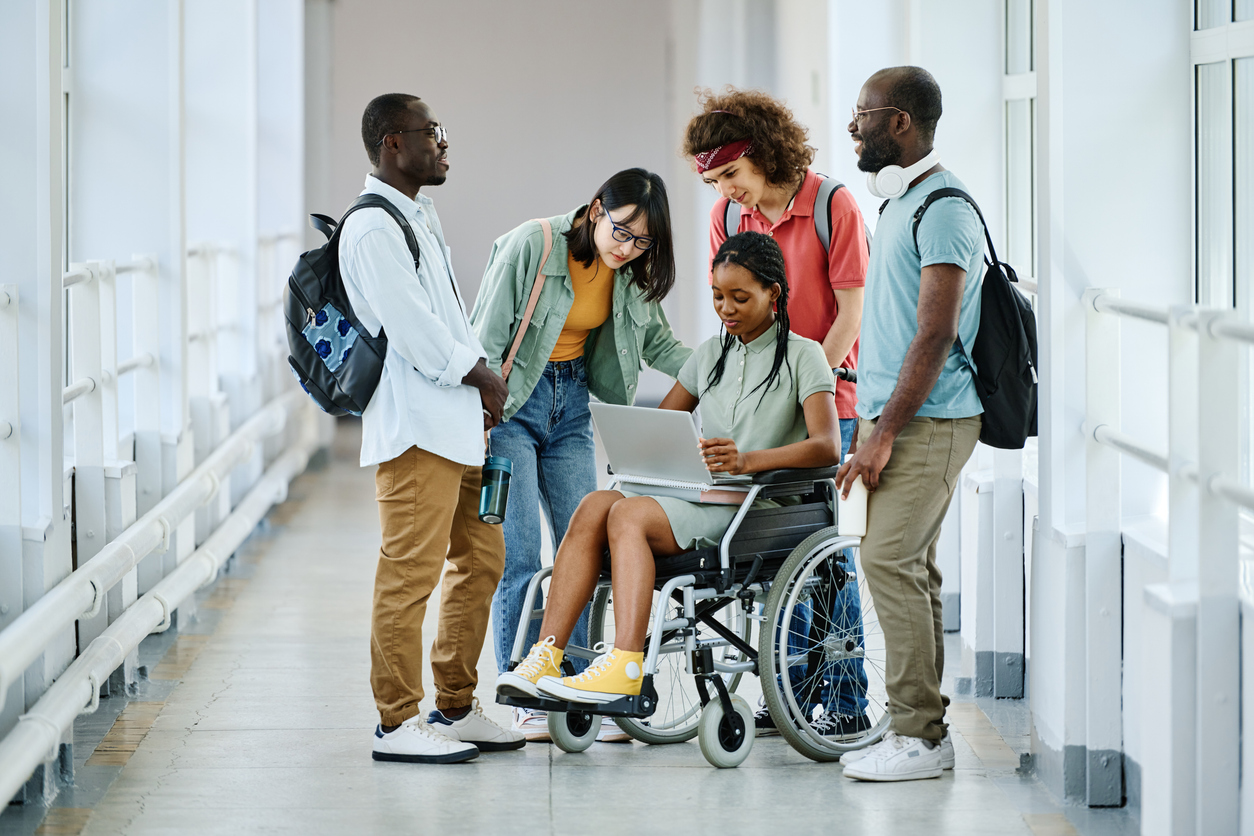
(767, 402)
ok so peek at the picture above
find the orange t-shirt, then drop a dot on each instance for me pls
(812, 272)
(594, 296)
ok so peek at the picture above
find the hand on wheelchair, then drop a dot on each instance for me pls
(721, 456)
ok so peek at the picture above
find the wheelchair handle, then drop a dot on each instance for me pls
(850, 375)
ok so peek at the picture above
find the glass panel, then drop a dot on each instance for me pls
(1214, 184)
(1243, 164)
(1019, 198)
(1019, 36)
(1212, 13)
(1243, 10)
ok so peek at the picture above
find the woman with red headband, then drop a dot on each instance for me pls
(597, 316)
(749, 148)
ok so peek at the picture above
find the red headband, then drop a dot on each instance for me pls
(723, 154)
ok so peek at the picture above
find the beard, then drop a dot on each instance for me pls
(879, 149)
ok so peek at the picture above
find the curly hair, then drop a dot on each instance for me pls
(779, 141)
(762, 257)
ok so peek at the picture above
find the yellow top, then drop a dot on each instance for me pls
(594, 296)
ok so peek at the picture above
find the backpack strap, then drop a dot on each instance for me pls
(378, 202)
(828, 187)
(988, 238)
(536, 286)
(731, 218)
(950, 192)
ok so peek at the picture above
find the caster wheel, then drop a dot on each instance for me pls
(573, 731)
(726, 739)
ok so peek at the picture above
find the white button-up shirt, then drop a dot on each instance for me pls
(421, 400)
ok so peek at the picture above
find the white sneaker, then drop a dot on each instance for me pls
(414, 741)
(611, 733)
(946, 748)
(475, 727)
(534, 725)
(897, 758)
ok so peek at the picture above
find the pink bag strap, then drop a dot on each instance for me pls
(532, 300)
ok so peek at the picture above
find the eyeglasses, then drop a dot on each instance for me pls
(438, 131)
(622, 235)
(857, 114)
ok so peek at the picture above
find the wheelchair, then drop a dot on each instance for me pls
(788, 571)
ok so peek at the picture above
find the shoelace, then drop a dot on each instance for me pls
(599, 665)
(540, 657)
(423, 729)
(886, 748)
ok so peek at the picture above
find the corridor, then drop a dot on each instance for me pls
(256, 718)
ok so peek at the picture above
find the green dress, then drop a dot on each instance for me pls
(755, 421)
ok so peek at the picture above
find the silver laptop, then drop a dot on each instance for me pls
(656, 443)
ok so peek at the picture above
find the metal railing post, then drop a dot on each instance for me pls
(1218, 611)
(89, 437)
(1103, 559)
(10, 464)
(146, 339)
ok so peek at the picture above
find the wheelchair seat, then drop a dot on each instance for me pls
(769, 533)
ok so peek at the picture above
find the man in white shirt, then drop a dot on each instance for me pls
(422, 429)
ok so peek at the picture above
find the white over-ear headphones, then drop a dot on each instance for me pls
(893, 180)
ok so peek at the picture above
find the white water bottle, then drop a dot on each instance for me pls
(851, 512)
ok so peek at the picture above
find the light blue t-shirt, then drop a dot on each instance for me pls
(950, 233)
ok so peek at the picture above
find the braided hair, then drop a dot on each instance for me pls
(761, 256)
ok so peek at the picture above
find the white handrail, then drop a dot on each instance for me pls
(139, 265)
(138, 361)
(1105, 303)
(1242, 332)
(1233, 491)
(77, 389)
(23, 640)
(38, 732)
(1105, 434)
(76, 276)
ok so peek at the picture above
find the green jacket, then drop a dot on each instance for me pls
(636, 330)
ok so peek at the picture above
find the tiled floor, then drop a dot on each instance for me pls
(261, 716)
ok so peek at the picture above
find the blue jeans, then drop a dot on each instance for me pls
(549, 442)
(837, 686)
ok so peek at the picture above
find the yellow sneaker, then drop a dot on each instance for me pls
(612, 675)
(543, 660)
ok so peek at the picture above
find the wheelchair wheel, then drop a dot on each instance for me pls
(822, 663)
(573, 731)
(725, 739)
(679, 703)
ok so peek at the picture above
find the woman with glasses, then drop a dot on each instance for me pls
(597, 318)
(749, 148)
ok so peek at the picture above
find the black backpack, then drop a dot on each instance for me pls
(1003, 355)
(333, 356)
(822, 214)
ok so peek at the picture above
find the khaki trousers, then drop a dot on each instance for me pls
(429, 510)
(899, 560)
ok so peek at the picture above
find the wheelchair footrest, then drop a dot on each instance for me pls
(637, 707)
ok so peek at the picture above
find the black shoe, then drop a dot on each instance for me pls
(763, 725)
(842, 727)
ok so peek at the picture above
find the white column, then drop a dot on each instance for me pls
(1103, 560)
(1218, 605)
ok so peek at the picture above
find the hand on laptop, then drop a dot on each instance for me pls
(721, 456)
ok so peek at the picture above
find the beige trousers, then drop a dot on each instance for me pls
(899, 560)
(429, 511)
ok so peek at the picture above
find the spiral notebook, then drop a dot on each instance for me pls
(659, 451)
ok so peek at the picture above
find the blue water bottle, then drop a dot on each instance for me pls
(494, 487)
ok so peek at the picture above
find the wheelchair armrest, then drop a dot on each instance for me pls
(795, 475)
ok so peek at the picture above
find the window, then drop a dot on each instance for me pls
(1223, 100)
(1019, 120)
